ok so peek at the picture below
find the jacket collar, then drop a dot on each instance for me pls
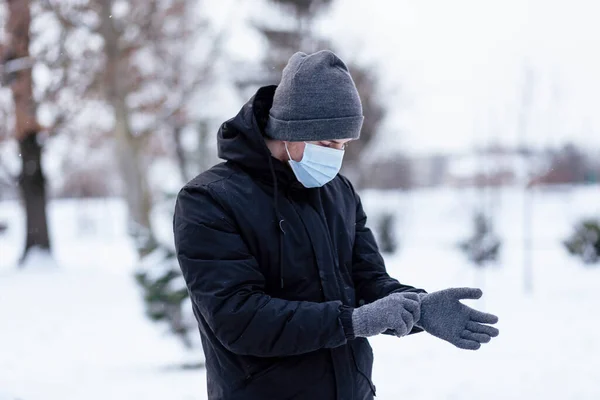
(241, 141)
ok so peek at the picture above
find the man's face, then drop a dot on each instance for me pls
(296, 149)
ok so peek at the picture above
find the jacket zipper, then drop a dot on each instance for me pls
(323, 297)
(338, 277)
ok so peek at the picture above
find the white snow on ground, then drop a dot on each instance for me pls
(78, 331)
(549, 346)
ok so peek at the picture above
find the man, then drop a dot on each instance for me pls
(285, 278)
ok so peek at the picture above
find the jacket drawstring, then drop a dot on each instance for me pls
(278, 218)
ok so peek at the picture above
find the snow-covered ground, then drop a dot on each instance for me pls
(549, 343)
(76, 329)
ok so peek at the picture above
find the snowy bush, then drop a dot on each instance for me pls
(165, 293)
(484, 245)
(385, 211)
(159, 276)
(585, 241)
(387, 237)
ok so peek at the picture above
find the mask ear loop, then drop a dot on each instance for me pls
(287, 151)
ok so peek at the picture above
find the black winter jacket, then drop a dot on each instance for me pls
(274, 270)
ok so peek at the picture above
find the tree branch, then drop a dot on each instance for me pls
(65, 21)
(12, 179)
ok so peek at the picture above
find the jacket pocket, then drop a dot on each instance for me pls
(256, 373)
(362, 354)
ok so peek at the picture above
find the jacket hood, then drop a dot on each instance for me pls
(241, 141)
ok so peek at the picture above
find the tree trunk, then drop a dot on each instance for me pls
(180, 154)
(31, 180)
(203, 160)
(136, 190)
(129, 148)
(33, 191)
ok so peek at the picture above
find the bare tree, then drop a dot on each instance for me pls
(16, 73)
(567, 165)
(129, 147)
(146, 78)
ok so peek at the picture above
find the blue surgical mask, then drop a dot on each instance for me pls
(319, 165)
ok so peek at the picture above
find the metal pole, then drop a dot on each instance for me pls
(527, 89)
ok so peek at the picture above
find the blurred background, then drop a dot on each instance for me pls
(479, 165)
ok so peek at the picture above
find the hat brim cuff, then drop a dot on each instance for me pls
(314, 129)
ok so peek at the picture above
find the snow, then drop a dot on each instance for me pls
(79, 330)
(548, 345)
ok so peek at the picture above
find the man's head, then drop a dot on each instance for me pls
(316, 103)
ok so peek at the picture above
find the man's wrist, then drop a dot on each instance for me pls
(346, 320)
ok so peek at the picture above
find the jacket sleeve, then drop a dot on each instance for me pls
(227, 286)
(371, 280)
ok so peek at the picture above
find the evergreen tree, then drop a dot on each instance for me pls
(294, 32)
(165, 293)
(484, 245)
(584, 242)
(387, 238)
(163, 288)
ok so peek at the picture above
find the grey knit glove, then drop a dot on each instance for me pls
(444, 316)
(397, 312)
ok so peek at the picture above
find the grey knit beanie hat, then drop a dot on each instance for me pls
(316, 100)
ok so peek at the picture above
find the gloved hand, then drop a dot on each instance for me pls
(444, 316)
(397, 312)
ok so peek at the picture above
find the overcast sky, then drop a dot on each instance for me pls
(459, 67)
